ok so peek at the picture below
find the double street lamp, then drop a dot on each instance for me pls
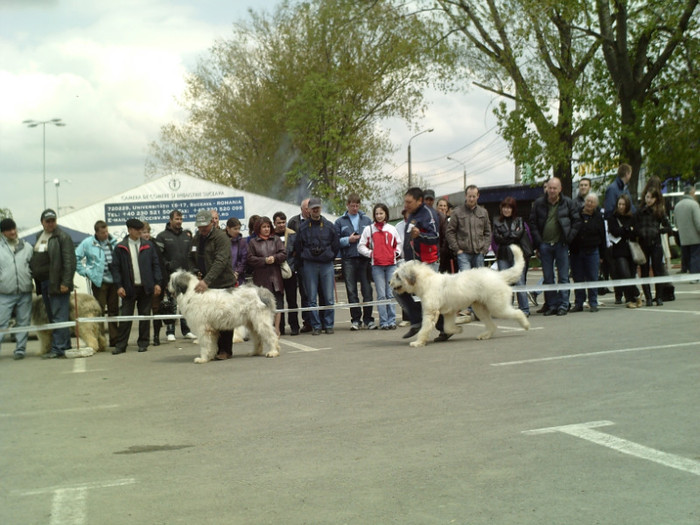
(33, 124)
(465, 170)
(410, 185)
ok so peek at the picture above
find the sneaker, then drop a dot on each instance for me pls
(533, 298)
(329, 331)
(171, 338)
(316, 331)
(371, 326)
(188, 335)
(392, 327)
(19, 356)
(355, 326)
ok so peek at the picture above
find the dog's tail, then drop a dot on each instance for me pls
(267, 298)
(512, 274)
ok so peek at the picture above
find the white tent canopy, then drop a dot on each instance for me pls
(154, 200)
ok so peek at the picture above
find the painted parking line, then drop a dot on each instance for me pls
(587, 432)
(69, 503)
(55, 411)
(593, 354)
(301, 348)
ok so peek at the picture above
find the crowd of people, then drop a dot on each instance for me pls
(295, 258)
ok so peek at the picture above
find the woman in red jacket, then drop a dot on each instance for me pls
(380, 242)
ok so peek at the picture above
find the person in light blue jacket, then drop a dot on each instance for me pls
(94, 257)
(15, 282)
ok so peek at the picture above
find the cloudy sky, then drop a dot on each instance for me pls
(112, 72)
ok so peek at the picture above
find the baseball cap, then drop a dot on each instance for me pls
(314, 203)
(134, 223)
(7, 224)
(203, 218)
(429, 194)
(48, 214)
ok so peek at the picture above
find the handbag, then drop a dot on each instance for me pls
(286, 270)
(638, 255)
(526, 243)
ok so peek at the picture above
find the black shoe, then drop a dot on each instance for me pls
(442, 337)
(411, 332)
(306, 328)
(143, 349)
(117, 351)
(562, 311)
(52, 355)
(315, 331)
(18, 356)
(544, 309)
(659, 301)
(649, 303)
(594, 309)
(618, 300)
(577, 308)
(550, 312)
(329, 331)
(156, 340)
(295, 331)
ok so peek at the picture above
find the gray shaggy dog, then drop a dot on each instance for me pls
(487, 291)
(91, 333)
(214, 310)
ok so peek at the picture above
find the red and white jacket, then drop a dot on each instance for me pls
(380, 242)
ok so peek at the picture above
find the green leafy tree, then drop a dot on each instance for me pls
(290, 104)
(533, 54)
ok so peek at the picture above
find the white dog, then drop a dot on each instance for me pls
(485, 290)
(214, 310)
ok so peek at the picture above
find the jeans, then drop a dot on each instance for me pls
(319, 283)
(523, 303)
(107, 296)
(691, 253)
(142, 301)
(551, 255)
(467, 261)
(584, 268)
(58, 311)
(381, 275)
(356, 269)
(21, 303)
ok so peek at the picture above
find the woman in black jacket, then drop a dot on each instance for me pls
(621, 227)
(509, 229)
(650, 223)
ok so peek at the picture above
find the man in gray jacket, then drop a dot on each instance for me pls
(687, 216)
(53, 264)
(469, 231)
(15, 282)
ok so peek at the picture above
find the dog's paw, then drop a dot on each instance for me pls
(200, 360)
(484, 336)
(416, 344)
(272, 353)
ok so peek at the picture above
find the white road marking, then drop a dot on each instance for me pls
(591, 354)
(585, 431)
(79, 366)
(300, 347)
(68, 506)
(668, 311)
(56, 411)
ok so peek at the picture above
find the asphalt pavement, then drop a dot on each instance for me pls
(590, 418)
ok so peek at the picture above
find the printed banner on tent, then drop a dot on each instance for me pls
(158, 212)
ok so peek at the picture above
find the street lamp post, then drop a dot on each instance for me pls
(33, 124)
(463, 166)
(410, 185)
(57, 183)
